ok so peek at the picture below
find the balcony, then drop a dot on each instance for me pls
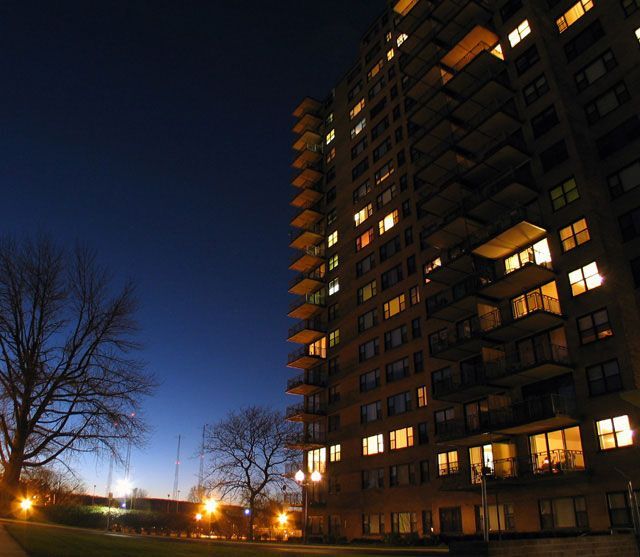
(307, 237)
(306, 441)
(307, 331)
(472, 382)
(309, 121)
(308, 178)
(530, 313)
(307, 197)
(307, 306)
(510, 231)
(308, 259)
(306, 139)
(307, 217)
(308, 105)
(456, 347)
(306, 357)
(305, 412)
(307, 283)
(310, 154)
(305, 384)
(458, 302)
(451, 230)
(511, 282)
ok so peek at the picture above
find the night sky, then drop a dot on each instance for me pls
(158, 133)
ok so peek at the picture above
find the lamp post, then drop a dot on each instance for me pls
(305, 482)
(210, 507)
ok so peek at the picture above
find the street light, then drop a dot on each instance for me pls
(210, 506)
(282, 519)
(198, 518)
(305, 482)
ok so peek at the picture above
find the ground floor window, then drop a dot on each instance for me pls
(427, 523)
(373, 523)
(450, 520)
(316, 526)
(563, 512)
(620, 508)
(403, 523)
(500, 518)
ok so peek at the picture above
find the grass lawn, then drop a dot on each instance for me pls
(50, 541)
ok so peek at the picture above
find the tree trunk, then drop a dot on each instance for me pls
(251, 509)
(10, 485)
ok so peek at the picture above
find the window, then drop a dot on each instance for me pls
(595, 70)
(399, 404)
(333, 365)
(544, 121)
(557, 450)
(379, 85)
(635, 271)
(421, 396)
(357, 129)
(332, 311)
(379, 128)
(583, 41)
(370, 412)
(331, 195)
(363, 214)
(573, 14)
(369, 380)
(359, 148)
(614, 432)
(404, 523)
(334, 453)
(401, 38)
(604, 378)
(361, 192)
(382, 149)
(364, 239)
(401, 438)
(367, 292)
(537, 253)
(390, 54)
(594, 326)
(367, 320)
(365, 265)
(378, 108)
(317, 460)
(543, 298)
(396, 337)
(500, 516)
(584, 279)
(386, 196)
(565, 193)
(357, 108)
(447, 463)
(360, 169)
(527, 60)
(333, 422)
(332, 216)
(333, 262)
(450, 520)
(630, 6)
(334, 394)
(391, 277)
(394, 306)
(375, 70)
(510, 8)
(368, 350)
(397, 370)
(373, 523)
(402, 474)
(625, 179)
(619, 137)
(418, 362)
(607, 102)
(423, 434)
(390, 248)
(443, 418)
(372, 445)
(416, 331)
(330, 137)
(384, 172)
(388, 222)
(332, 239)
(563, 512)
(620, 509)
(554, 155)
(574, 235)
(534, 90)
(638, 34)
(519, 33)
(334, 338)
(334, 286)
(372, 479)
(414, 296)
(630, 224)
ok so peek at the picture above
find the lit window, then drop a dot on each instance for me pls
(422, 396)
(334, 338)
(430, 267)
(387, 37)
(334, 453)
(584, 279)
(363, 214)
(388, 222)
(317, 460)
(574, 235)
(638, 34)
(414, 295)
(447, 463)
(331, 155)
(543, 298)
(357, 109)
(367, 292)
(382, 174)
(361, 125)
(401, 438)
(390, 54)
(394, 306)
(573, 14)
(519, 33)
(537, 253)
(564, 194)
(333, 262)
(318, 348)
(364, 239)
(375, 70)
(614, 432)
(497, 51)
(332, 239)
(329, 119)
(372, 445)
(401, 38)
(330, 137)
(334, 286)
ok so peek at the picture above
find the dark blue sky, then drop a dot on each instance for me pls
(159, 133)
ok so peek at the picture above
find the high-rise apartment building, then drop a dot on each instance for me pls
(467, 238)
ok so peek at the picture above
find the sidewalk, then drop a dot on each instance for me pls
(8, 547)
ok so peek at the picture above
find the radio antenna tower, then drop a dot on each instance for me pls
(177, 475)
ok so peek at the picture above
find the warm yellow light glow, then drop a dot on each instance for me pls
(198, 516)
(25, 504)
(210, 506)
(519, 33)
(299, 477)
(573, 14)
(282, 519)
(497, 51)
(316, 476)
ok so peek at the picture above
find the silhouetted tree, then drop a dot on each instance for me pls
(68, 381)
(247, 455)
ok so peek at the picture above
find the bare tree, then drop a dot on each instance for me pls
(68, 380)
(247, 454)
(52, 485)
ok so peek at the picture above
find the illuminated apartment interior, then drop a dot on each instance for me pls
(466, 223)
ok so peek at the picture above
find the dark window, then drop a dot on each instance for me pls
(370, 412)
(331, 174)
(629, 6)
(554, 155)
(361, 191)
(368, 349)
(535, 89)
(397, 370)
(619, 137)
(333, 311)
(620, 509)
(367, 320)
(391, 277)
(395, 337)
(411, 265)
(333, 365)
(625, 179)
(382, 149)
(563, 512)
(607, 102)
(390, 248)
(635, 271)
(378, 108)
(402, 474)
(427, 523)
(408, 236)
(369, 380)
(358, 148)
(424, 471)
(399, 404)
(594, 326)
(418, 362)
(544, 121)
(331, 195)
(450, 520)
(360, 169)
(630, 224)
(334, 422)
(401, 158)
(354, 90)
(398, 134)
(396, 112)
(372, 479)
(527, 60)
(334, 394)
(423, 434)
(379, 128)
(365, 265)
(580, 43)
(604, 378)
(509, 9)
(595, 69)
(443, 419)
(415, 328)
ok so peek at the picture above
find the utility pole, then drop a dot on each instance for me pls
(201, 471)
(176, 492)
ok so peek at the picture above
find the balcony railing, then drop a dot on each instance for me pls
(541, 354)
(314, 251)
(314, 380)
(316, 299)
(307, 351)
(317, 275)
(533, 302)
(302, 408)
(502, 223)
(311, 324)
(307, 438)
